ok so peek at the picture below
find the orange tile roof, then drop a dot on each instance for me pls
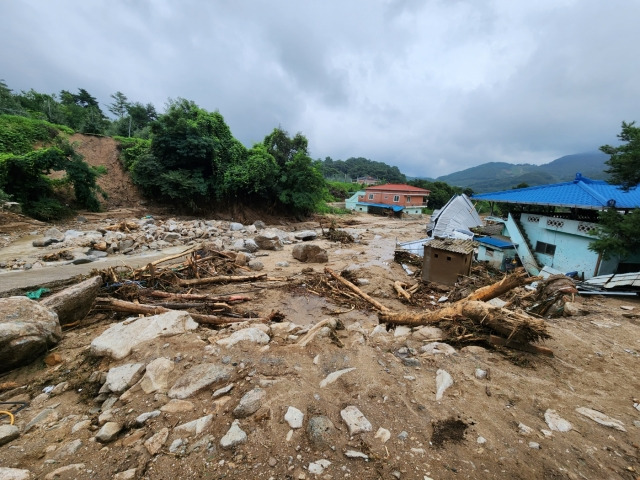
(399, 187)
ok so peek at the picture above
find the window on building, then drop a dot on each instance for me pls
(408, 199)
(545, 248)
(448, 259)
(371, 196)
(396, 198)
(489, 252)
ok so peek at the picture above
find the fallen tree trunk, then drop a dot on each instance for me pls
(221, 279)
(196, 296)
(130, 307)
(356, 290)
(509, 282)
(514, 326)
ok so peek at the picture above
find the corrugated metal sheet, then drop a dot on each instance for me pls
(621, 280)
(458, 214)
(452, 245)
(494, 242)
(580, 193)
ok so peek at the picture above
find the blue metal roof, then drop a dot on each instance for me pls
(582, 192)
(495, 242)
(395, 208)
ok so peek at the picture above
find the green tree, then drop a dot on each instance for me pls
(619, 234)
(120, 104)
(625, 160)
(302, 186)
(255, 177)
(284, 148)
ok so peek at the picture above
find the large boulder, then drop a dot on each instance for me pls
(119, 339)
(27, 329)
(269, 241)
(310, 253)
(73, 304)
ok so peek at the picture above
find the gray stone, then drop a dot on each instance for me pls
(126, 475)
(235, 226)
(197, 378)
(42, 242)
(108, 432)
(318, 467)
(47, 415)
(143, 417)
(355, 420)
(259, 224)
(54, 234)
(305, 235)
(268, 241)
(256, 265)
(294, 417)
(310, 253)
(27, 329)
(282, 264)
(235, 436)
(171, 237)
(119, 339)
(15, 474)
(428, 333)
(250, 403)
(238, 246)
(320, 431)
(437, 348)
(195, 427)
(155, 443)
(177, 406)
(242, 259)
(84, 424)
(556, 422)
(251, 246)
(73, 304)
(68, 449)
(68, 471)
(8, 433)
(122, 377)
(156, 377)
(333, 376)
(222, 391)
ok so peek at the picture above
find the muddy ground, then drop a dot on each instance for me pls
(474, 431)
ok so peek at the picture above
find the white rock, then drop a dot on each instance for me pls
(156, 377)
(601, 418)
(252, 334)
(443, 381)
(379, 329)
(222, 391)
(119, 339)
(480, 374)
(195, 427)
(437, 348)
(122, 377)
(249, 403)
(80, 426)
(555, 422)
(402, 331)
(108, 432)
(15, 474)
(355, 420)
(481, 440)
(428, 333)
(333, 376)
(294, 417)
(142, 418)
(65, 472)
(235, 436)
(319, 466)
(534, 445)
(383, 434)
(155, 443)
(355, 454)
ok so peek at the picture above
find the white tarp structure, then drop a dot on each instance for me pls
(455, 219)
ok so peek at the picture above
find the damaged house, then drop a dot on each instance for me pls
(390, 198)
(553, 225)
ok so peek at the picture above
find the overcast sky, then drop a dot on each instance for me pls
(432, 87)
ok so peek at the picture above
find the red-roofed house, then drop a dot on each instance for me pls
(396, 197)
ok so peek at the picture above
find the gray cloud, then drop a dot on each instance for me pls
(431, 86)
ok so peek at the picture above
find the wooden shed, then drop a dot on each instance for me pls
(445, 259)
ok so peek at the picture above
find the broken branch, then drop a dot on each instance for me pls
(355, 289)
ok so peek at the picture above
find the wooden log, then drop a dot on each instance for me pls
(115, 305)
(509, 282)
(397, 286)
(515, 326)
(356, 290)
(196, 296)
(221, 279)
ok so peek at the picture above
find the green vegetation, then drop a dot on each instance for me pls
(24, 171)
(339, 191)
(360, 167)
(618, 232)
(441, 192)
(624, 161)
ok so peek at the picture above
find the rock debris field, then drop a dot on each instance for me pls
(299, 380)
